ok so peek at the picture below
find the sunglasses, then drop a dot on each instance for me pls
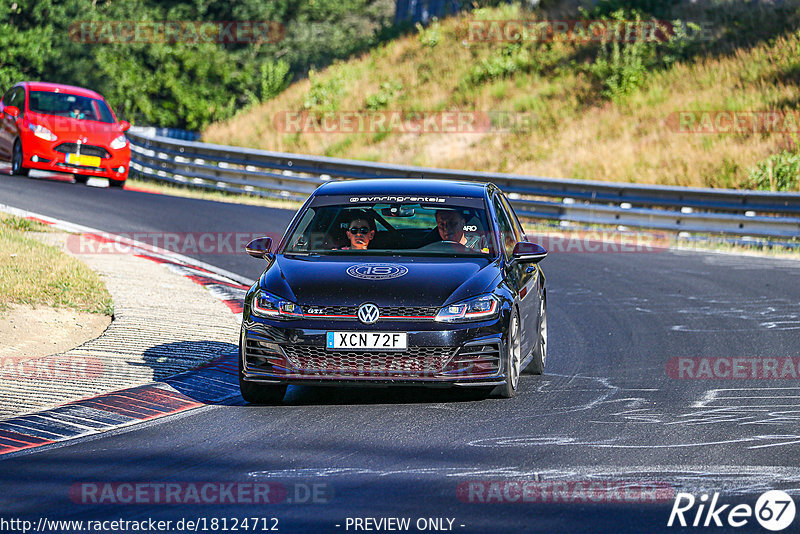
(360, 230)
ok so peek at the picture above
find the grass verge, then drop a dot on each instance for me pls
(37, 274)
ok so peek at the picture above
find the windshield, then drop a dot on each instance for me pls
(67, 105)
(449, 227)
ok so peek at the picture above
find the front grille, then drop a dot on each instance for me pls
(331, 310)
(409, 311)
(475, 359)
(86, 150)
(416, 361)
(386, 311)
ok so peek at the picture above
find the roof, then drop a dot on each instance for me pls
(62, 88)
(403, 186)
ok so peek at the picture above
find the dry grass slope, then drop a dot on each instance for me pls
(577, 133)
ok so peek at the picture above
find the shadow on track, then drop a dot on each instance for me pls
(216, 382)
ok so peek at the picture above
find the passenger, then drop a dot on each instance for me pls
(360, 232)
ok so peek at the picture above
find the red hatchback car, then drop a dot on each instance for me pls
(63, 128)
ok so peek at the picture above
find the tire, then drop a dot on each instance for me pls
(536, 366)
(255, 393)
(17, 159)
(80, 179)
(512, 358)
(116, 183)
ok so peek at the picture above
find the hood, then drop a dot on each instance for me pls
(343, 281)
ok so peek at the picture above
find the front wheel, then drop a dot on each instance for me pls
(540, 352)
(513, 359)
(260, 393)
(116, 183)
(16, 160)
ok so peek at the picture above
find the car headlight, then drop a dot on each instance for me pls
(266, 305)
(119, 142)
(478, 308)
(42, 132)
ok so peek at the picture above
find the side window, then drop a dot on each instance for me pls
(19, 100)
(8, 99)
(508, 238)
(514, 220)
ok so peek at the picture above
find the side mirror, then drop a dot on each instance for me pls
(124, 126)
(525, 252)
(11, 111)
(260, 248)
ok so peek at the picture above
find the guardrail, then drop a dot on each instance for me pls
(295, 176)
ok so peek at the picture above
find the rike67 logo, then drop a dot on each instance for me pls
(774, 510)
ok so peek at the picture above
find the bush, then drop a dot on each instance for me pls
(622, 67)
(431, 35)
(511, 59)
(779, 172)
(274, 79)
(385, 94)
(324, 94)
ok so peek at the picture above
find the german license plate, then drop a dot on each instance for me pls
(81, 159)
(367, 341)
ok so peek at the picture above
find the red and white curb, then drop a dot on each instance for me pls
(213, 383)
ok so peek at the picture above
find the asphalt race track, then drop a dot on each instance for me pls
(606, 411)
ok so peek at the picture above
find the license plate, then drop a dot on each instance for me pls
(81, 159)
(367, 341)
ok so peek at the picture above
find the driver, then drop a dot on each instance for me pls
(360, 232)
(450, 224)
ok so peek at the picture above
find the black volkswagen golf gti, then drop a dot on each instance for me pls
(396, 282)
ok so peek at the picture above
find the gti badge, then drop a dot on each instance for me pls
(368, 313)
(376, 271)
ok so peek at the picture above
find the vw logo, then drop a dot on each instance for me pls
(376, 271)
(368, 313)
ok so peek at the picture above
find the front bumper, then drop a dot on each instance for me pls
(41, 155)
(438, 355)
